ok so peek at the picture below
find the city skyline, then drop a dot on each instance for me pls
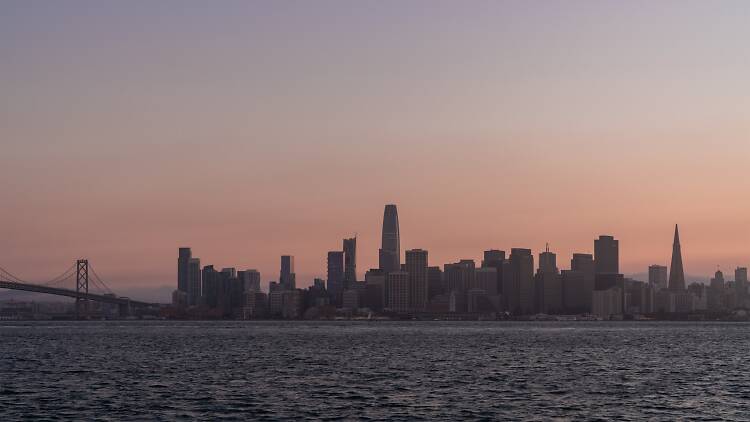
(495, 124)
(390, 232)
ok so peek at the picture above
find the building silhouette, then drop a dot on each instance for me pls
(194, 282)
(287, 278)
(390, 251)
(658, 276)
(183, 269)
(350, 262)
(518, 281)
(676, 272)
(416, 266)
(547, 285)
(575, 298)
(335, 272)
(250, 280)
(607, 255)
(494, 258)
(740, 285)
(584, 263)
(397, 288)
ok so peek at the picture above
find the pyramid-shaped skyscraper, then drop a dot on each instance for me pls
(676, 272)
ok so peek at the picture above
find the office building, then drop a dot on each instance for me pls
(416, 266)
(183, 269)
(607, 255)
(584, 263)
(575, 297)
(350, 262)
(494, 259)
(250, 280)
(658, 276)
(287, 278)
(676, 272)
(194, 282)
(335, 273)
(518, 282)
(397, 287)
(390, 251)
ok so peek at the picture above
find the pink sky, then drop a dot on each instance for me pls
(249, 130)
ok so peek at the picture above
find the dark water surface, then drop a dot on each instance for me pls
(374, 371)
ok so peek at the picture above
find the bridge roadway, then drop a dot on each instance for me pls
(74, 294)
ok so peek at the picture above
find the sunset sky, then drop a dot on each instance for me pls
(248, 130)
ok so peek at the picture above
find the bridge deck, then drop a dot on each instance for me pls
(72, 293)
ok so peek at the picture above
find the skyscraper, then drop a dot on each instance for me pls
(494, 259)
(287, 278)
(390, 251)
(548, 286)
(416, 266)
(336, 275)
(584, 263)
(183, 269)
(397, 286)
(658, 276)
(676, 272)
(518, 281)
(547, 261)
(350, 262)
(740, 285)
(250, 280)
(606, 255)
(194, 282)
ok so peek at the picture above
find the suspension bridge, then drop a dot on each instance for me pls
(79, 282)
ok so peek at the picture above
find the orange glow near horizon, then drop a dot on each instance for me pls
(254, 130)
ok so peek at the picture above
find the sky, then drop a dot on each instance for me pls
(247, 130)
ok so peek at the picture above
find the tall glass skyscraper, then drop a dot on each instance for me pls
(390, 251)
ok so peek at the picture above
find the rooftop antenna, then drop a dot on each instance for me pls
(547, 247)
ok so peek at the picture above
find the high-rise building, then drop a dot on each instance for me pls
(375, 289)
(547, 262)
(250, 280)
(435, 285)
(658, 276)
(486, 280)
(336, 275)
(607, 303)
(518, 282)
(194, 282)
(183, 269)
(548, 287)
(584, 263)
(715, 296)
(718, 280)
(287, 278)
(350, 262)
(459, 277)
(211, 285)
(397, 286)
(676, 272)
(390, 251)
(606, 255)
(416, 266)
(740, 285)
(575, 298)
(494, 259)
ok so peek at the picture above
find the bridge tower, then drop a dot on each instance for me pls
(82, 285)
